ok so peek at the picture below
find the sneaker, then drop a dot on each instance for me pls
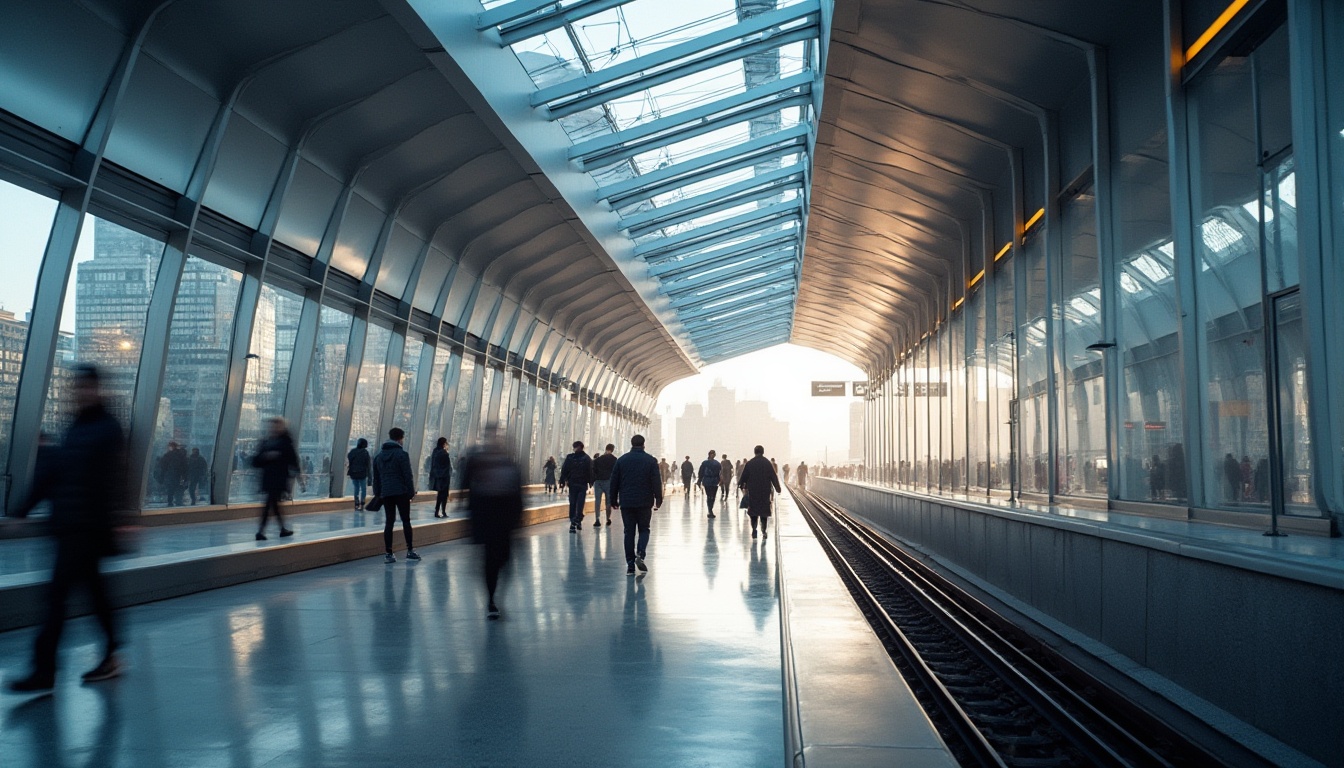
(261, 536)
(639, 563)
(389, 558)
(411, 554)
(711, 515)
(630, 569)
(109, 668)
(286, 532)
(492, 612)
(597, 523)
(753, 533)
(32, 684)
(765, 534)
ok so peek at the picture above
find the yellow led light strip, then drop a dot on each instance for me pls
(979, 276)
(1003, 250)
(1035, 217)
(956, 304)
(1215, 28)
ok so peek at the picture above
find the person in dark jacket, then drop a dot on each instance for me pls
(198, 469)
(725, 480)
(85, 480)
(357, 469)
(394, 485)
(577, 474)
(602, 467)
(440, 476)
(493, 484)
(173, 473)
(756, 479)
(687, 474)
(549, 470)
(279, 463)
(708, 478)
(636, 490)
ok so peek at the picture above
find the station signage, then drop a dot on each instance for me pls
(859, 388)
(829, 388)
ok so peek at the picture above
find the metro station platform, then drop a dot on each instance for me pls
(367, 664)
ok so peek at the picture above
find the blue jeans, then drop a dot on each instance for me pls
(361, 487)
(636, 517)
(601, 488)
(577, 495)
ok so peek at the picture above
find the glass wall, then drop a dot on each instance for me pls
(320, 402)
(368, 410)
(270, 357)
(103, 320)
(461, 424)
(434, 411)
(25, 223)
(1083, 468)
(195, 376)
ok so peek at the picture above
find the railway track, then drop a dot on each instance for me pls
(998, 696)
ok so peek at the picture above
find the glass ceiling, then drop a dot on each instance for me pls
(696, 119)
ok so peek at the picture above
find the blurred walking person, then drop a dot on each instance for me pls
(636, 490)
(440, 476)
(687, 474)
(394, 486)
(493, 484)
(85, 480)
(279, 463)
(549, 470)
(710, 470)
(173, 473)
(602, 467)
(757, 479)
(357, 469)
(198, 470)
(801, 476)
(725, 480)
(577, 475)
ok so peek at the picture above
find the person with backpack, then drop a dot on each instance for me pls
(577, 474)
(357, 469)
(394, 487)
(708, 478)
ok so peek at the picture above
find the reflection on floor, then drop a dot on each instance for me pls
(366, 664)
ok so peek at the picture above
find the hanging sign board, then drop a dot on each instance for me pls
(828, 389)
(859, 388)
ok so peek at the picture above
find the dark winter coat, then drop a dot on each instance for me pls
(85, 480)
(392, 475)
(173, 467)
(709, 472)
(440, 470)
(603, 465)
(494, 487)
(635, 480)
(687, 470)
(197, 468)
(278, 462)
(577, 471)
(758, 477)
(357, 464)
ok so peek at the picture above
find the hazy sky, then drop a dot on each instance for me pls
(782, 376)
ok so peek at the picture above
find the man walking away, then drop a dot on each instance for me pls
(577, 474)
(197, 470)
(687, 472)
(173, 470)
(725, 480)
(709, 480)
(801, 476)
(357, 469)
(85, 481)
(279, 463)
(394, 485)
(494, 488)
(602, 467)
(636, 490)
(757, 478)
(664, 471)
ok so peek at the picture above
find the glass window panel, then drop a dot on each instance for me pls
(461, 435)
(487, 390)
(197, 371)
(321, 401)
(103, 320)
(1083, 466)
(406, 388)
(1279, 201)
(434, 409)
(367, 417)
(266, 383)
(1151, 418)
(1294, 405)
(1230, 340)
(25, 223)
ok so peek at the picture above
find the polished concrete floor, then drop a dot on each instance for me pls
(366, 664)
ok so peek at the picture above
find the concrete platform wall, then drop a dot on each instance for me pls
(1265, 646)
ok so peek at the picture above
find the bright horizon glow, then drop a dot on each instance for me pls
(781, 376)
